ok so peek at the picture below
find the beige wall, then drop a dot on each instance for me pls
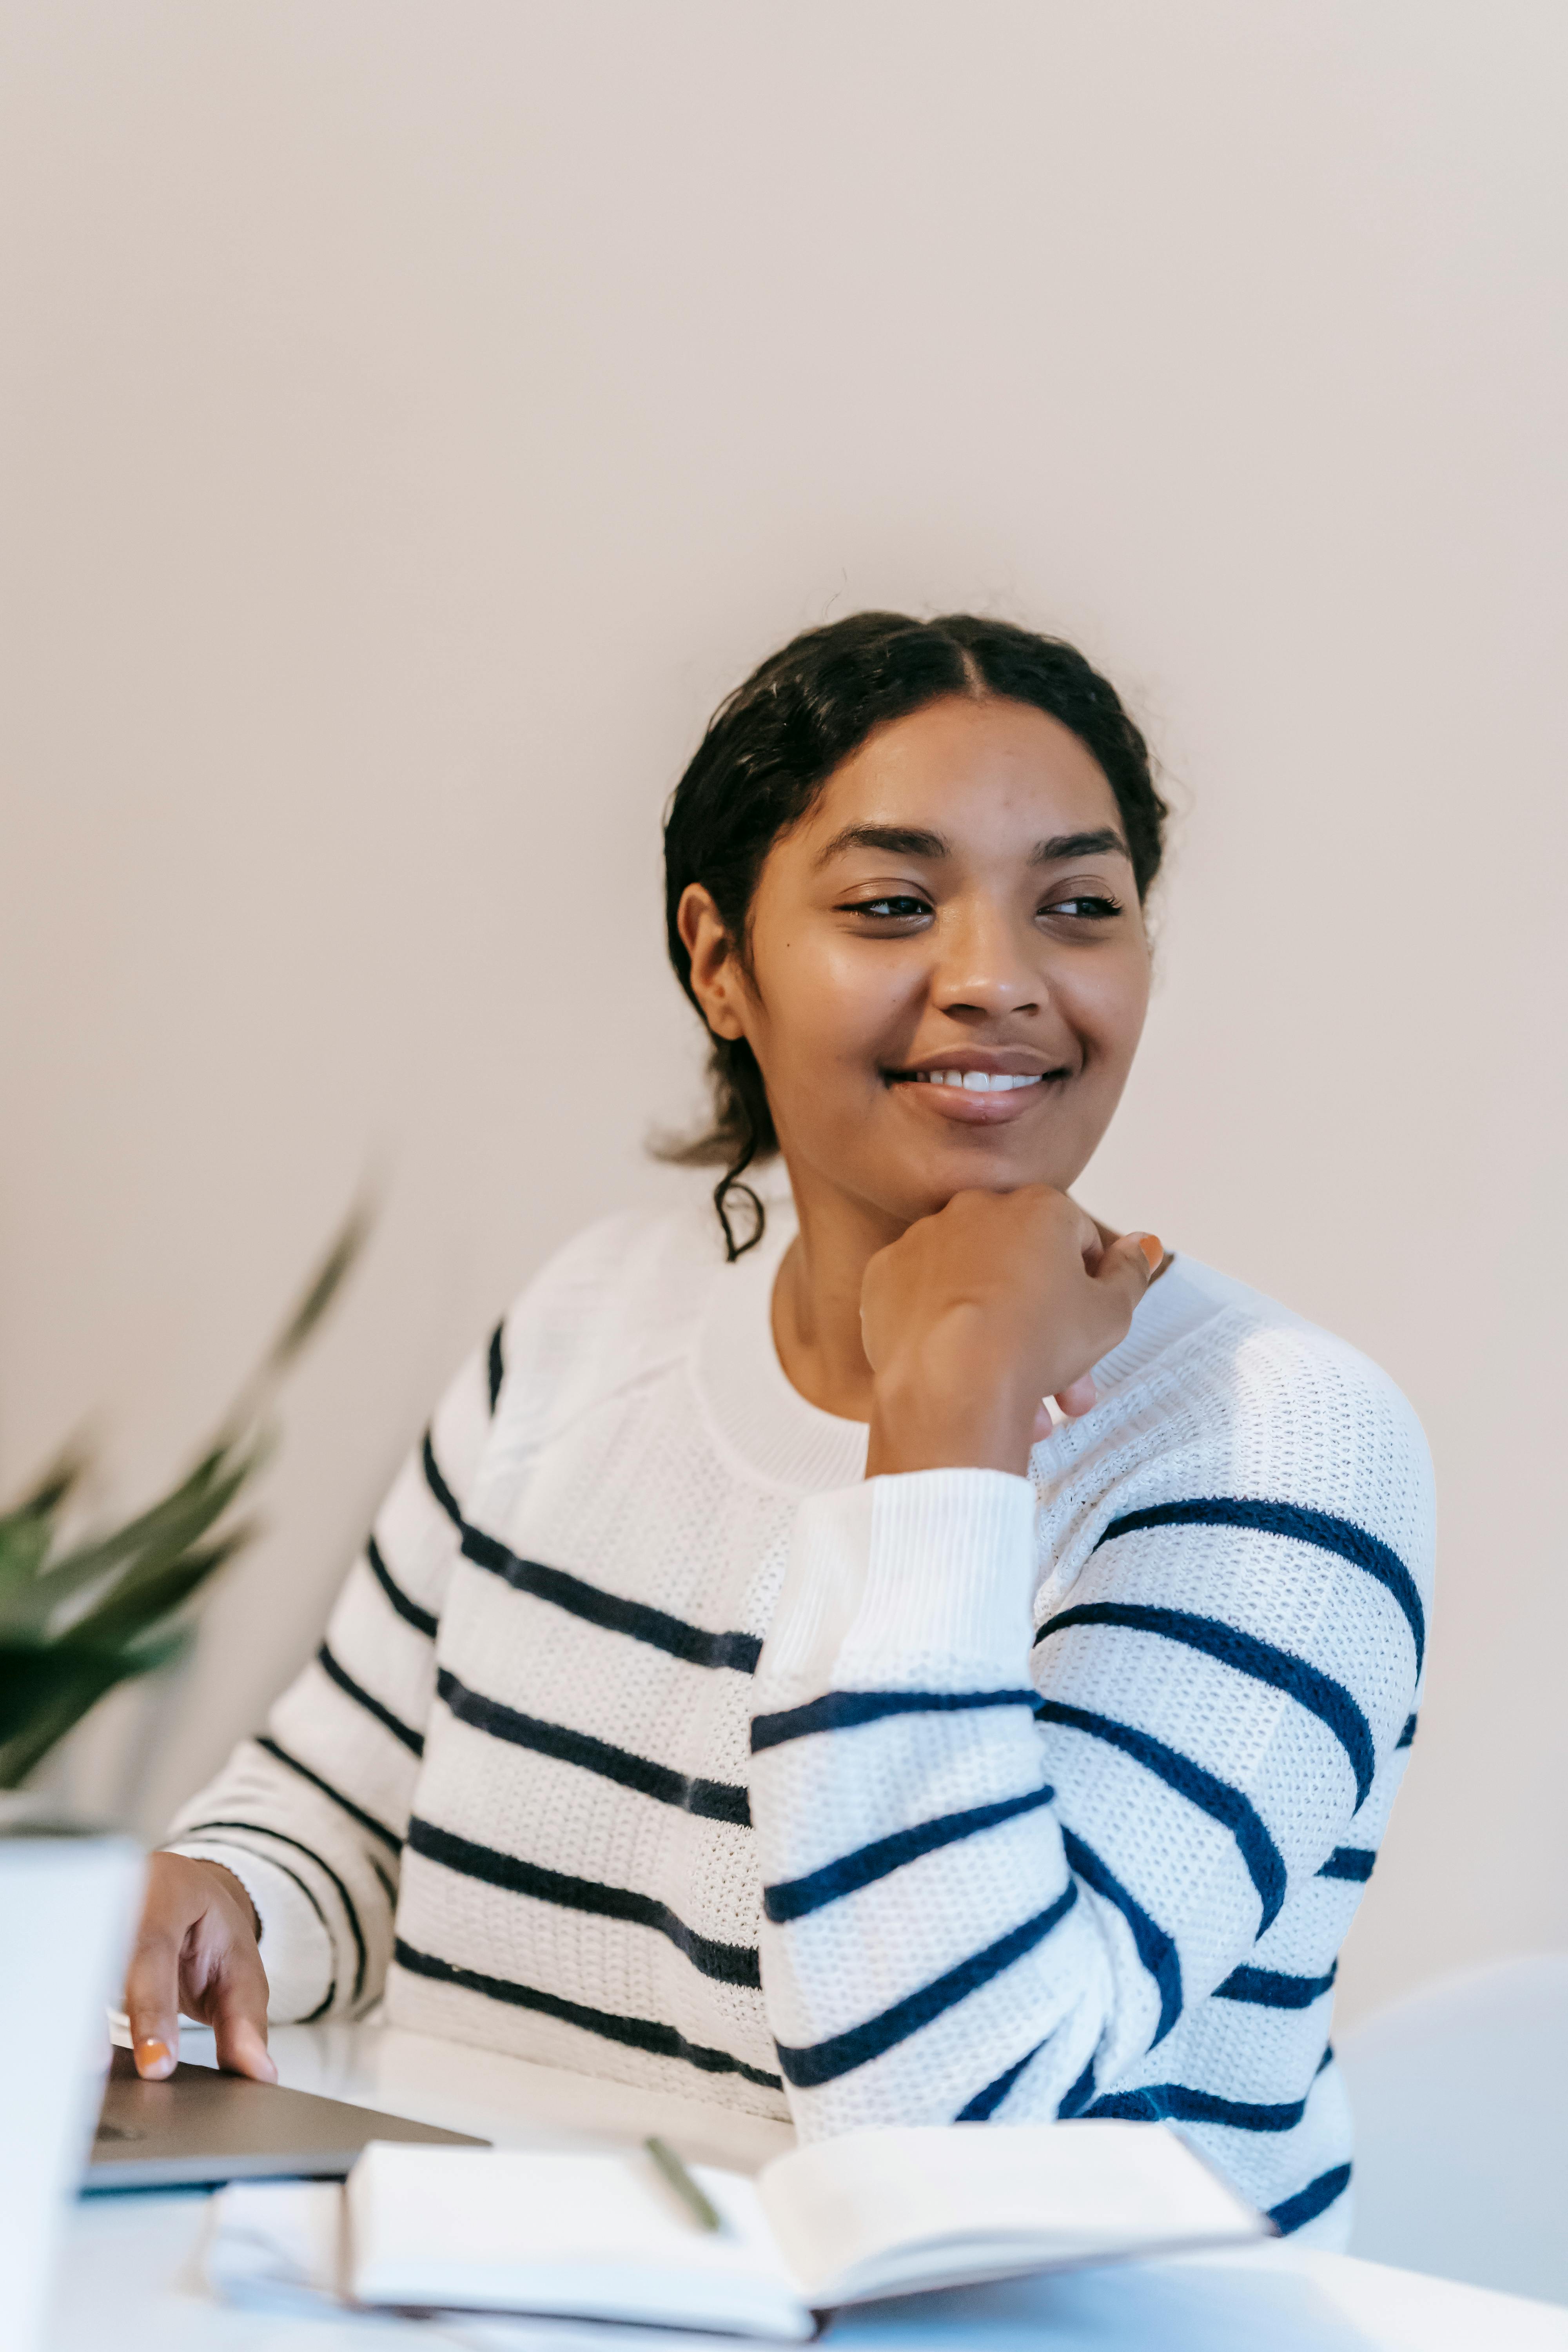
(420, 414)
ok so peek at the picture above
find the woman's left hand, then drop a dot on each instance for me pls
(975, 1314)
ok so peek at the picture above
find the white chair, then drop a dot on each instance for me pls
(1460, 2093)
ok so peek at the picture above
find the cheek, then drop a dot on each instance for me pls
(1106, 1004)
(825, 1003)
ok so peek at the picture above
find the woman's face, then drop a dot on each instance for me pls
(949, 969)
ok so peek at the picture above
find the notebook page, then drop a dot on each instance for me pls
(274, 2246)
(852, 2214)
(543, 2230)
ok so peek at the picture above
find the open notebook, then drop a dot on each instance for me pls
(871, 2214)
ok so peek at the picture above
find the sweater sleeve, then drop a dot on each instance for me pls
(310, 1814)
(1007, 1847)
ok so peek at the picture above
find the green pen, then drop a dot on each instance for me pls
(706, 2215)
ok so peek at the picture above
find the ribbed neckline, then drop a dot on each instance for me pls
(746, 1388)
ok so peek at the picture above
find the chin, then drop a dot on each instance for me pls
(914, 1194)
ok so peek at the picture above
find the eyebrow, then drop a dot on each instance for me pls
(912, 841)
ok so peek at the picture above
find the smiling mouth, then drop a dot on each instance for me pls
(973, 1082)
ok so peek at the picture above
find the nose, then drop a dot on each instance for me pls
(986, 966)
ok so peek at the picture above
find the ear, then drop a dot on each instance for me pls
(717, 981)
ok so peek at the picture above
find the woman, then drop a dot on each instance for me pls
(751, 1688)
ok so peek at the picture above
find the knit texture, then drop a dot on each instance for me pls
(650, 1739)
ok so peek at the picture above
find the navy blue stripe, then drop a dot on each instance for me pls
(1348, 1862)
(384, 1877)
(311, 2016)
(355, 1812)
(1153, 1946)
(438, 1485)
(1301, 1526)
(1075, 2101)
(1158, 2103)
(1407, 1735)
(1281, 1670)
(711, 1801)
(631, 2032)
(1295, 2212)
(984, 2103)
(825, 2062)
(795, 1897)
(1269, 1989)
(198, 1836)
(409, 1611)
(336, 1672)
(1326, 2059)
(495, 1365)
(257, 1829)
(840, 1710)
(728, 1963)
(633, 1618)
(273, 1864)
(1265, 1864)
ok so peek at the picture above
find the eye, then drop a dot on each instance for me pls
(891, 909)
(1085, 907)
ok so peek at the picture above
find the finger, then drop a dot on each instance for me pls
(1079, 1397)
(152, 2005)
(1127, 1267)
(237, 2006)
(1087, 1234)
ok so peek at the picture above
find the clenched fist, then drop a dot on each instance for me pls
(973, 1316)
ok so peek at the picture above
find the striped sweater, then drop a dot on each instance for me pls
(649, 1739)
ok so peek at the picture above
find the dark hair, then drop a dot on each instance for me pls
(771, 747)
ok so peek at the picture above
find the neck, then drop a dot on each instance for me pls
(816, 1294)
(816, 1297)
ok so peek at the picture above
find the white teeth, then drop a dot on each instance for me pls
(975, 1081)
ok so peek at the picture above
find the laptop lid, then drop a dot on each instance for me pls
(199, 2128)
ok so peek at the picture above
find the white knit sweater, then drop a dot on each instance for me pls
(650, 1739)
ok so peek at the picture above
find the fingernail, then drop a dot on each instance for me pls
(1153, 1249)
(152, 2053)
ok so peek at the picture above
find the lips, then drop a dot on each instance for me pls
(970, 1088)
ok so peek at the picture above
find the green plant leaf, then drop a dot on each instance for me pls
(136, 1550)
(56, 1484)
(130, 1609)
(74, 1624)
(47, 1688)
(24, 1547)
(303, 1318)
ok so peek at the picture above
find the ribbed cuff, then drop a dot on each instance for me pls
(926, 1575)
(296, 1950)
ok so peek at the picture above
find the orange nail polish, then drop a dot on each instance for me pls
(154, 2053)
(1153, 1249)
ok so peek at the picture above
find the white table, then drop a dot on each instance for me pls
(129, 2281)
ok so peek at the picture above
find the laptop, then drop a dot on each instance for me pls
(198, 2128)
